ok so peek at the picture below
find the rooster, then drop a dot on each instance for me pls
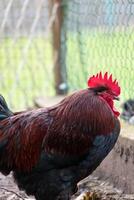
(49, 150)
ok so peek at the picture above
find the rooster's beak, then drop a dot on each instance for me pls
(116, 98)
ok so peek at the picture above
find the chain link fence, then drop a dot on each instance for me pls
(95, 36)
(100, 37)
(25, 51)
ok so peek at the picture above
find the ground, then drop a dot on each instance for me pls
(9, 190)
(105, 191)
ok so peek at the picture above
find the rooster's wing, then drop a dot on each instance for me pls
(21, 138)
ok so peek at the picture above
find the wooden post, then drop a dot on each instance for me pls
(59, 69)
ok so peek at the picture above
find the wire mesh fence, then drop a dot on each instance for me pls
(25, 50)
(95, 36)
(99, 36)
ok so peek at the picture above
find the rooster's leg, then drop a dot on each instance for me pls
(88, 196)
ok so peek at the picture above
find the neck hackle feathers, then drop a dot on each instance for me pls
(107, 81)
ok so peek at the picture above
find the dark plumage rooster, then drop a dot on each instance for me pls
(51, 149)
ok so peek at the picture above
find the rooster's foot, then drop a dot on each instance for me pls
(88, 196)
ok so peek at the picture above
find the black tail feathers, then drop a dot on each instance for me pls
(4, 110)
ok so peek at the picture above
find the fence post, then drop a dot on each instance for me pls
(59, 68)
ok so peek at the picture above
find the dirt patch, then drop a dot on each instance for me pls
(105, 191)
(10, 191)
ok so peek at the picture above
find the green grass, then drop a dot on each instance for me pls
(25, 74)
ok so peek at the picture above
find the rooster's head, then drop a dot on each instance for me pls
(106, 88)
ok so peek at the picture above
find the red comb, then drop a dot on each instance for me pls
(106, 81)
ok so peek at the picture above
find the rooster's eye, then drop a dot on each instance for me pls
(99, 89)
